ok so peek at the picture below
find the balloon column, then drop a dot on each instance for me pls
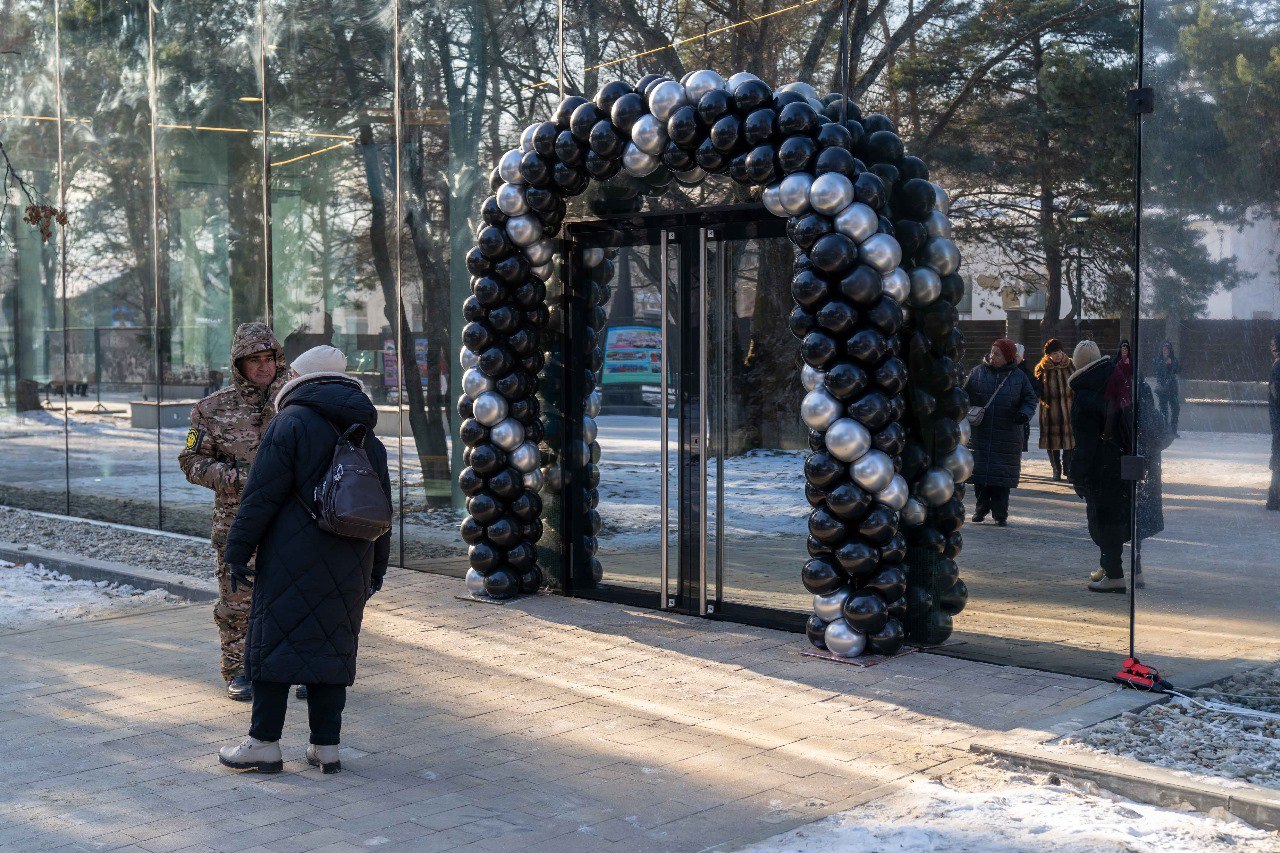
(875, 286)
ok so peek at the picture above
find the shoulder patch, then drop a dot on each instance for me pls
(193, 438)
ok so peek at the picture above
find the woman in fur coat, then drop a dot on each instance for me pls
(1056, 437)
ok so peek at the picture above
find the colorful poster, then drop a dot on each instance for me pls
(632, 355)
(391, 364)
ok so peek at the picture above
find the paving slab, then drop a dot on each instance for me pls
(550, 723)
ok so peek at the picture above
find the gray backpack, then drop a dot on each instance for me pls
(350, 501)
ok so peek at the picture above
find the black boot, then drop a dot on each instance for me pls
(240, 689)
(301, 692)
(1055, 460)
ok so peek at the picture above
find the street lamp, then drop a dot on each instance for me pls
(1079, 218)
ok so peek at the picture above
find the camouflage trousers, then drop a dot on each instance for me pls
(231, 615)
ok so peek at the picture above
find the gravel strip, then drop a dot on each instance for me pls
(1182, 734)
(181, 556)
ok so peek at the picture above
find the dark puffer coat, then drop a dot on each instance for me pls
(997, 441)
(1274, 399)
(309, 595)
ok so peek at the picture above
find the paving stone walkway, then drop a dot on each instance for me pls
(546, 724)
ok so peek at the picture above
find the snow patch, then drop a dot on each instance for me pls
(32, 595)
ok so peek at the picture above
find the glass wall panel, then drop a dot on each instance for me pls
(112, 457)
(331, 132)
(210, 217)
(1209, 412)
(32, 372)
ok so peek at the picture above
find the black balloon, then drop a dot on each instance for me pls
(871, 409)
(726, 133)
(884, 146)
(837, 318)
(848, 502)
(952, 288)
(955, 544)
(678, 159)
(825, 527)
(751, 95)
(815, 629)
(796, 118)
(874, 122)
(713, 105)
(865, 612)
(505, 484)
(894, 551)
(760, 127)
(710, 158)
(834, 254)
(565, 111)
(470, 482)
(955, 598)
(886, 316)
(879, 525)
(858, 558)
(834, 134)
(484, 508)
(682, 127)
(913, 167)
(867, 346)
(808, 289)
(584, 120)
(846, 380)
(814, 495)
(862, 286)
(501, 583)
(820, 577)
(927, 538)
(801, 322)
(796, 154)
(890, 583)
(838, 160)
(888, 174)
(818, 349)
(472, 432)
(823, 470)
(605, 141)
(483, 557)
(806, 231)
(471, 531)
(915, 198)
(892, 439)
(870, 190)
(891, 375)
(911, 236)
(888, 640)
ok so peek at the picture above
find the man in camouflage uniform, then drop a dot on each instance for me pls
(226, 428)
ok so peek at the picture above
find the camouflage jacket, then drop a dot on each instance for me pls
(227, 426)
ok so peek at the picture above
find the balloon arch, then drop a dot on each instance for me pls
(875, 285)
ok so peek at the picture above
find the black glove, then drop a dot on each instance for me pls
(241, 575)
(374, 586)
(1021, 418)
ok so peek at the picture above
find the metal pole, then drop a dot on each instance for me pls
(663, 430)
(844, 62)
(1135, 548)
(703, 430)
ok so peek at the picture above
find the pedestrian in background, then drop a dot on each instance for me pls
(1167, 392)
(1054, 372)
(1009, 401)
(226, 428)
(1021, 359)
(1273, 494)
(310, 585)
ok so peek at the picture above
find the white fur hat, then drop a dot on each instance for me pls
(321, 359)
(1085, 354)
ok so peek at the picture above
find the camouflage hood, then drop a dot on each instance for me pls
(252, 338)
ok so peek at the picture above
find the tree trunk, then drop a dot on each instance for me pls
(775, 393)
(1049, 236)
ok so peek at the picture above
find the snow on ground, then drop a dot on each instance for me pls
(984, 809)
(1184, 734)
(31, 595)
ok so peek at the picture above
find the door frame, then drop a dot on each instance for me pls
(698, 232)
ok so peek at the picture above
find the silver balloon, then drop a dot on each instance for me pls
(693, 176)
(509, 167)
(936, 486)
(649, 134)
(773, 201)
(666, 98)
(511, 200)
(830, 193)
(937, 224)
(941, 201)
(524, 230)
(554, 477)
(475, 383)
(897, 284)
(894, 495)
(926, 286)
(843, 641)
(544, 272)
(592, 404)
(534, 480)
(793, 192)
(589, 430)
(526, 458)
(526, 138)
(943, 255)
(540, 253)
(847, 439)
(508, 434)
(592, 257)
(913, 513)
(489, 408)
(739, 78)
(811, 378)
(701, 82)
(638, 163)
(827, 607)
(819, 409)
(475, 582)
(801, 88)
(881, 252)
(960, 463)
(966, 431)
(873, 471)
(857, 221)
(468, 359)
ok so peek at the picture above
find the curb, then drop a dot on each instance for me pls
(88, 568)
(1148, 783)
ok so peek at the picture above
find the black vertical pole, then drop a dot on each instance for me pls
(1135, 549)
(844, 62)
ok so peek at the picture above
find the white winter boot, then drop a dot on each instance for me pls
(1108, 585)
(324, 757)
(253, 754)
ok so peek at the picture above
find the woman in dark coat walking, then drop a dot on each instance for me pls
(310, 587)
(1006, 393)
(1166, 376)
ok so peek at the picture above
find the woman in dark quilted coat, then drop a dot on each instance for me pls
(310, 587)
(1273, 396)
(1006, 393)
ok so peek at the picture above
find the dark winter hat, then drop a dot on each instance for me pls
(1007, 348)
(1052, 345)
